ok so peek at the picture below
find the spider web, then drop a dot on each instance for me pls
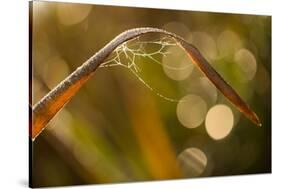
(126, 54)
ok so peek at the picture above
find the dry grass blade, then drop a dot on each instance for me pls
(219, 82)
(44, 110)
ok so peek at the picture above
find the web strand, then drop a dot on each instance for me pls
(135, 48)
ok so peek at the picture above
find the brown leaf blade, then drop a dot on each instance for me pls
(220, 83)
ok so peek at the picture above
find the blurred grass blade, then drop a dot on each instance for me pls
(44, 110)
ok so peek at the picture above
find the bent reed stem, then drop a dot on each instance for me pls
(44, 110)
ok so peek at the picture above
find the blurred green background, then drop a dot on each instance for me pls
(118, 129)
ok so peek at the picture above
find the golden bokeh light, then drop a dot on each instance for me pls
(247, 63)
(191, 111)
(262, 80)
(205, 43)
(208, 88)
(224, 40)
(40, 13)
(192, 161)
(177, 27)
(38, 90)
(202, 86)
(176, 64)
(219, 121)
(70, 14)
(62, 71)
